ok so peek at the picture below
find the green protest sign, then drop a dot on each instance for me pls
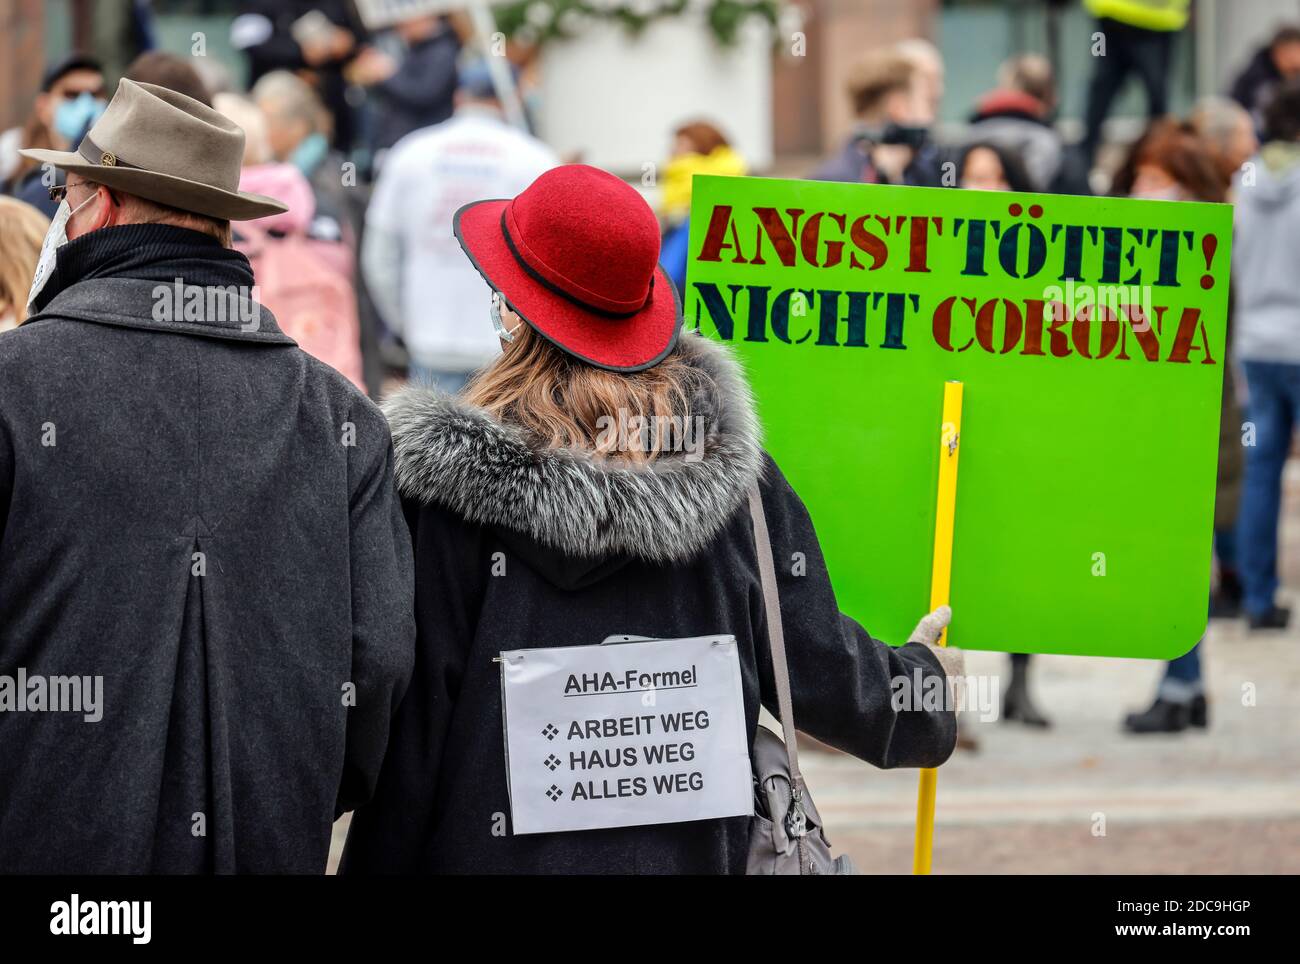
(1089, 334)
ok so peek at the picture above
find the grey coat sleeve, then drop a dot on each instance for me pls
(842, 680)
(383, 613)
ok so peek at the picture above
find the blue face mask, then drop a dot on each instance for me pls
(72, 117)
(309, 153)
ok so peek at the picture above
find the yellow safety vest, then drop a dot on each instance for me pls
(1147, 14)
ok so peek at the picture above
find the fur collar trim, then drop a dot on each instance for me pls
(456, 455)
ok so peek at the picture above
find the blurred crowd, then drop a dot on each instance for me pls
(375, 136)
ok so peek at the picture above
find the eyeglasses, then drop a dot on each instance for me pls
(59, 192)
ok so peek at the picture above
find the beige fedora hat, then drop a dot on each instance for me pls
(157, 144)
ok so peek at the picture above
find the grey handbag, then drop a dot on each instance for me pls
(785, 833)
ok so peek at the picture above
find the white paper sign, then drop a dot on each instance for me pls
(625, 735)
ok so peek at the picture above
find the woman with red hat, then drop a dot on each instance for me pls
(593, 482)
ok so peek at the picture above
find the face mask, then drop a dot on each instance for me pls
(55, 238)
(72, 117)
(505, 334)
(307, 156)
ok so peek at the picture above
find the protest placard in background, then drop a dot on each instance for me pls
(1090, 335)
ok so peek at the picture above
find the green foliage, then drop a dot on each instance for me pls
(541, 21)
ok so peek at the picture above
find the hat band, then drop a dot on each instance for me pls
(91, 152)
(555, 288)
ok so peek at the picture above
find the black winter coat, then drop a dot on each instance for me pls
(591, 550)
(204, 517)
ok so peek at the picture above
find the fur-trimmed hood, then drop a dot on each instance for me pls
(458, 456)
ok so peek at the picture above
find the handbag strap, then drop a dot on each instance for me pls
(776, 638)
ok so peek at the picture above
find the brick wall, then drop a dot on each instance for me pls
(22, 58)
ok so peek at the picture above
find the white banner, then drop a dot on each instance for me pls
(625, 734)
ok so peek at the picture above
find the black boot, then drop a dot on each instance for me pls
(1275, 617)
(1162, 717)
(1016, 704)
(1225, 602)
(1199, 712)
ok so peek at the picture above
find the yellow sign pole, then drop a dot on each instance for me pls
(940, 581)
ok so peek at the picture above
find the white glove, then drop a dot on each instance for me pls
(928, 631)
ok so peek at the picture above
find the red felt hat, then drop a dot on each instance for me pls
(576, 256)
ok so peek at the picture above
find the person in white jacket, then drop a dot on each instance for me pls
(425, 290)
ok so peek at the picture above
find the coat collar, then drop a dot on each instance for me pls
(456, 455)
(159, 277)
(207, 311)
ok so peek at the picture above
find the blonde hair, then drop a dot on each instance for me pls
(565, 403)
(283, 96)
(22, 232)
(877, 75)
(249, 117)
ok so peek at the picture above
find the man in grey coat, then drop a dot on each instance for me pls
(205, 578)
